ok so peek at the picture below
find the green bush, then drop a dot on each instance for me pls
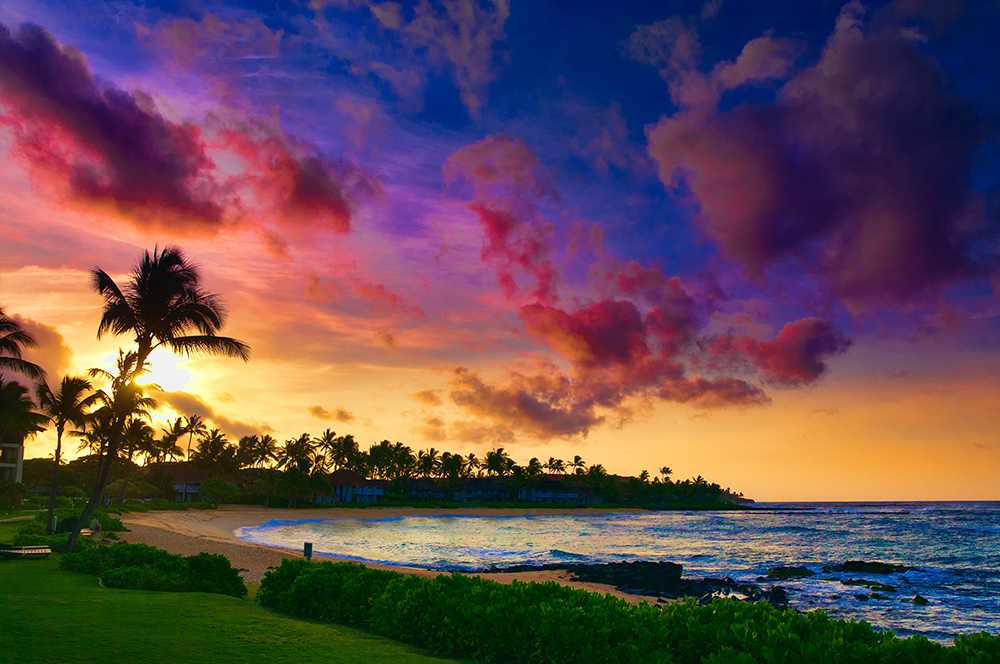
(143, 567)
(528, 622)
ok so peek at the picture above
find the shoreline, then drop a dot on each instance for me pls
(214, 531)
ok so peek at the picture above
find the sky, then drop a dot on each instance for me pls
(756, 242)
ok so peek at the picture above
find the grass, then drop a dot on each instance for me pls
(51, 616)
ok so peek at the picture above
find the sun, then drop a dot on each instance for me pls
(163, 369)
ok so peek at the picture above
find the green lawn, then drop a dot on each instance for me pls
(51, 616)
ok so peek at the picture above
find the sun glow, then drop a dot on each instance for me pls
(164, 369)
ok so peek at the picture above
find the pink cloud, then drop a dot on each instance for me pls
(99, 147)
(499, 160)
(794, 358)
(513, 245)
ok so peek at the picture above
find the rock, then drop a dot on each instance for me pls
(861, 597)
(783, 573)
(878, 596)
(871, 585)
(920, 601)
(864, 567)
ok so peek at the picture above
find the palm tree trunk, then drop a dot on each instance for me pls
(55, 484)
(102, 480)
(124, 491)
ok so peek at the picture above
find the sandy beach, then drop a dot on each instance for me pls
(214, 531)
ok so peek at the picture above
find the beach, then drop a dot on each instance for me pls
(214, 531)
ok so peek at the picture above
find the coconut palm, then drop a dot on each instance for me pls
(428, 462)
(577, 464)
(555, 466)
(246, 451)
(327, 443)
(297, 453)
(266, 452)
(163, 304)
(136, 437)
(70, 405)
(214, 453)
(498, 463)
(666, 471)
(472, 465)
(13, 339)
(18, 419)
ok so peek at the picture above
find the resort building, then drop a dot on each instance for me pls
(186, 478)
(11, 461)
(348, 487)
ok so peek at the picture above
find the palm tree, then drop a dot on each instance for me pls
(246, 451)
(215, 453)
(328, 443)
(267, 450)
(136, 436)
(666, 471)
(69, 405)
(498, 463)
(577, 464)
(428, 462)
(195, 426)
(12, 340)
(472, 465)
(167, 448)
(163, 304)
(555, 466)
(18, 419)
(297, 453)
(123, 403)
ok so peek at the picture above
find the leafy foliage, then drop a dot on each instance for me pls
(531, 622)
(142, 567)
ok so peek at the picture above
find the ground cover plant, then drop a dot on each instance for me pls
(530, 622)
(60, 617)
(143, 567)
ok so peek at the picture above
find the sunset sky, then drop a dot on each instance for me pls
(752, 241)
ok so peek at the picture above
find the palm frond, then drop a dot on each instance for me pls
(195, 345)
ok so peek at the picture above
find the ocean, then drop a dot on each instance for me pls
(955, 547)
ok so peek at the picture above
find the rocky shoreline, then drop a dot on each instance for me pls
(663, 579)
(660, 579)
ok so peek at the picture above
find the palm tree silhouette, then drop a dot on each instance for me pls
(195, 426)
(162, 304)
(12, 340)
(136, 437)
(18, 419)
(70, 405)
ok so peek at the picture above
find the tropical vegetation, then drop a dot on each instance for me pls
(488, 621)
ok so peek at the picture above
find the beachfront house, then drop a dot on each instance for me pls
(349, 487)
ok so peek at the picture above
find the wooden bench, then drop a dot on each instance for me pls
(7, 551)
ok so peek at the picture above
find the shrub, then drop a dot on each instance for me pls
(143, 567)
(529, 622)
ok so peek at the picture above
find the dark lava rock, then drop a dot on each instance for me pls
(864, 567)
(659, 579)
(640, 577)
(861, 597)
(871, 585)
(920, 601)
(789, 572)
